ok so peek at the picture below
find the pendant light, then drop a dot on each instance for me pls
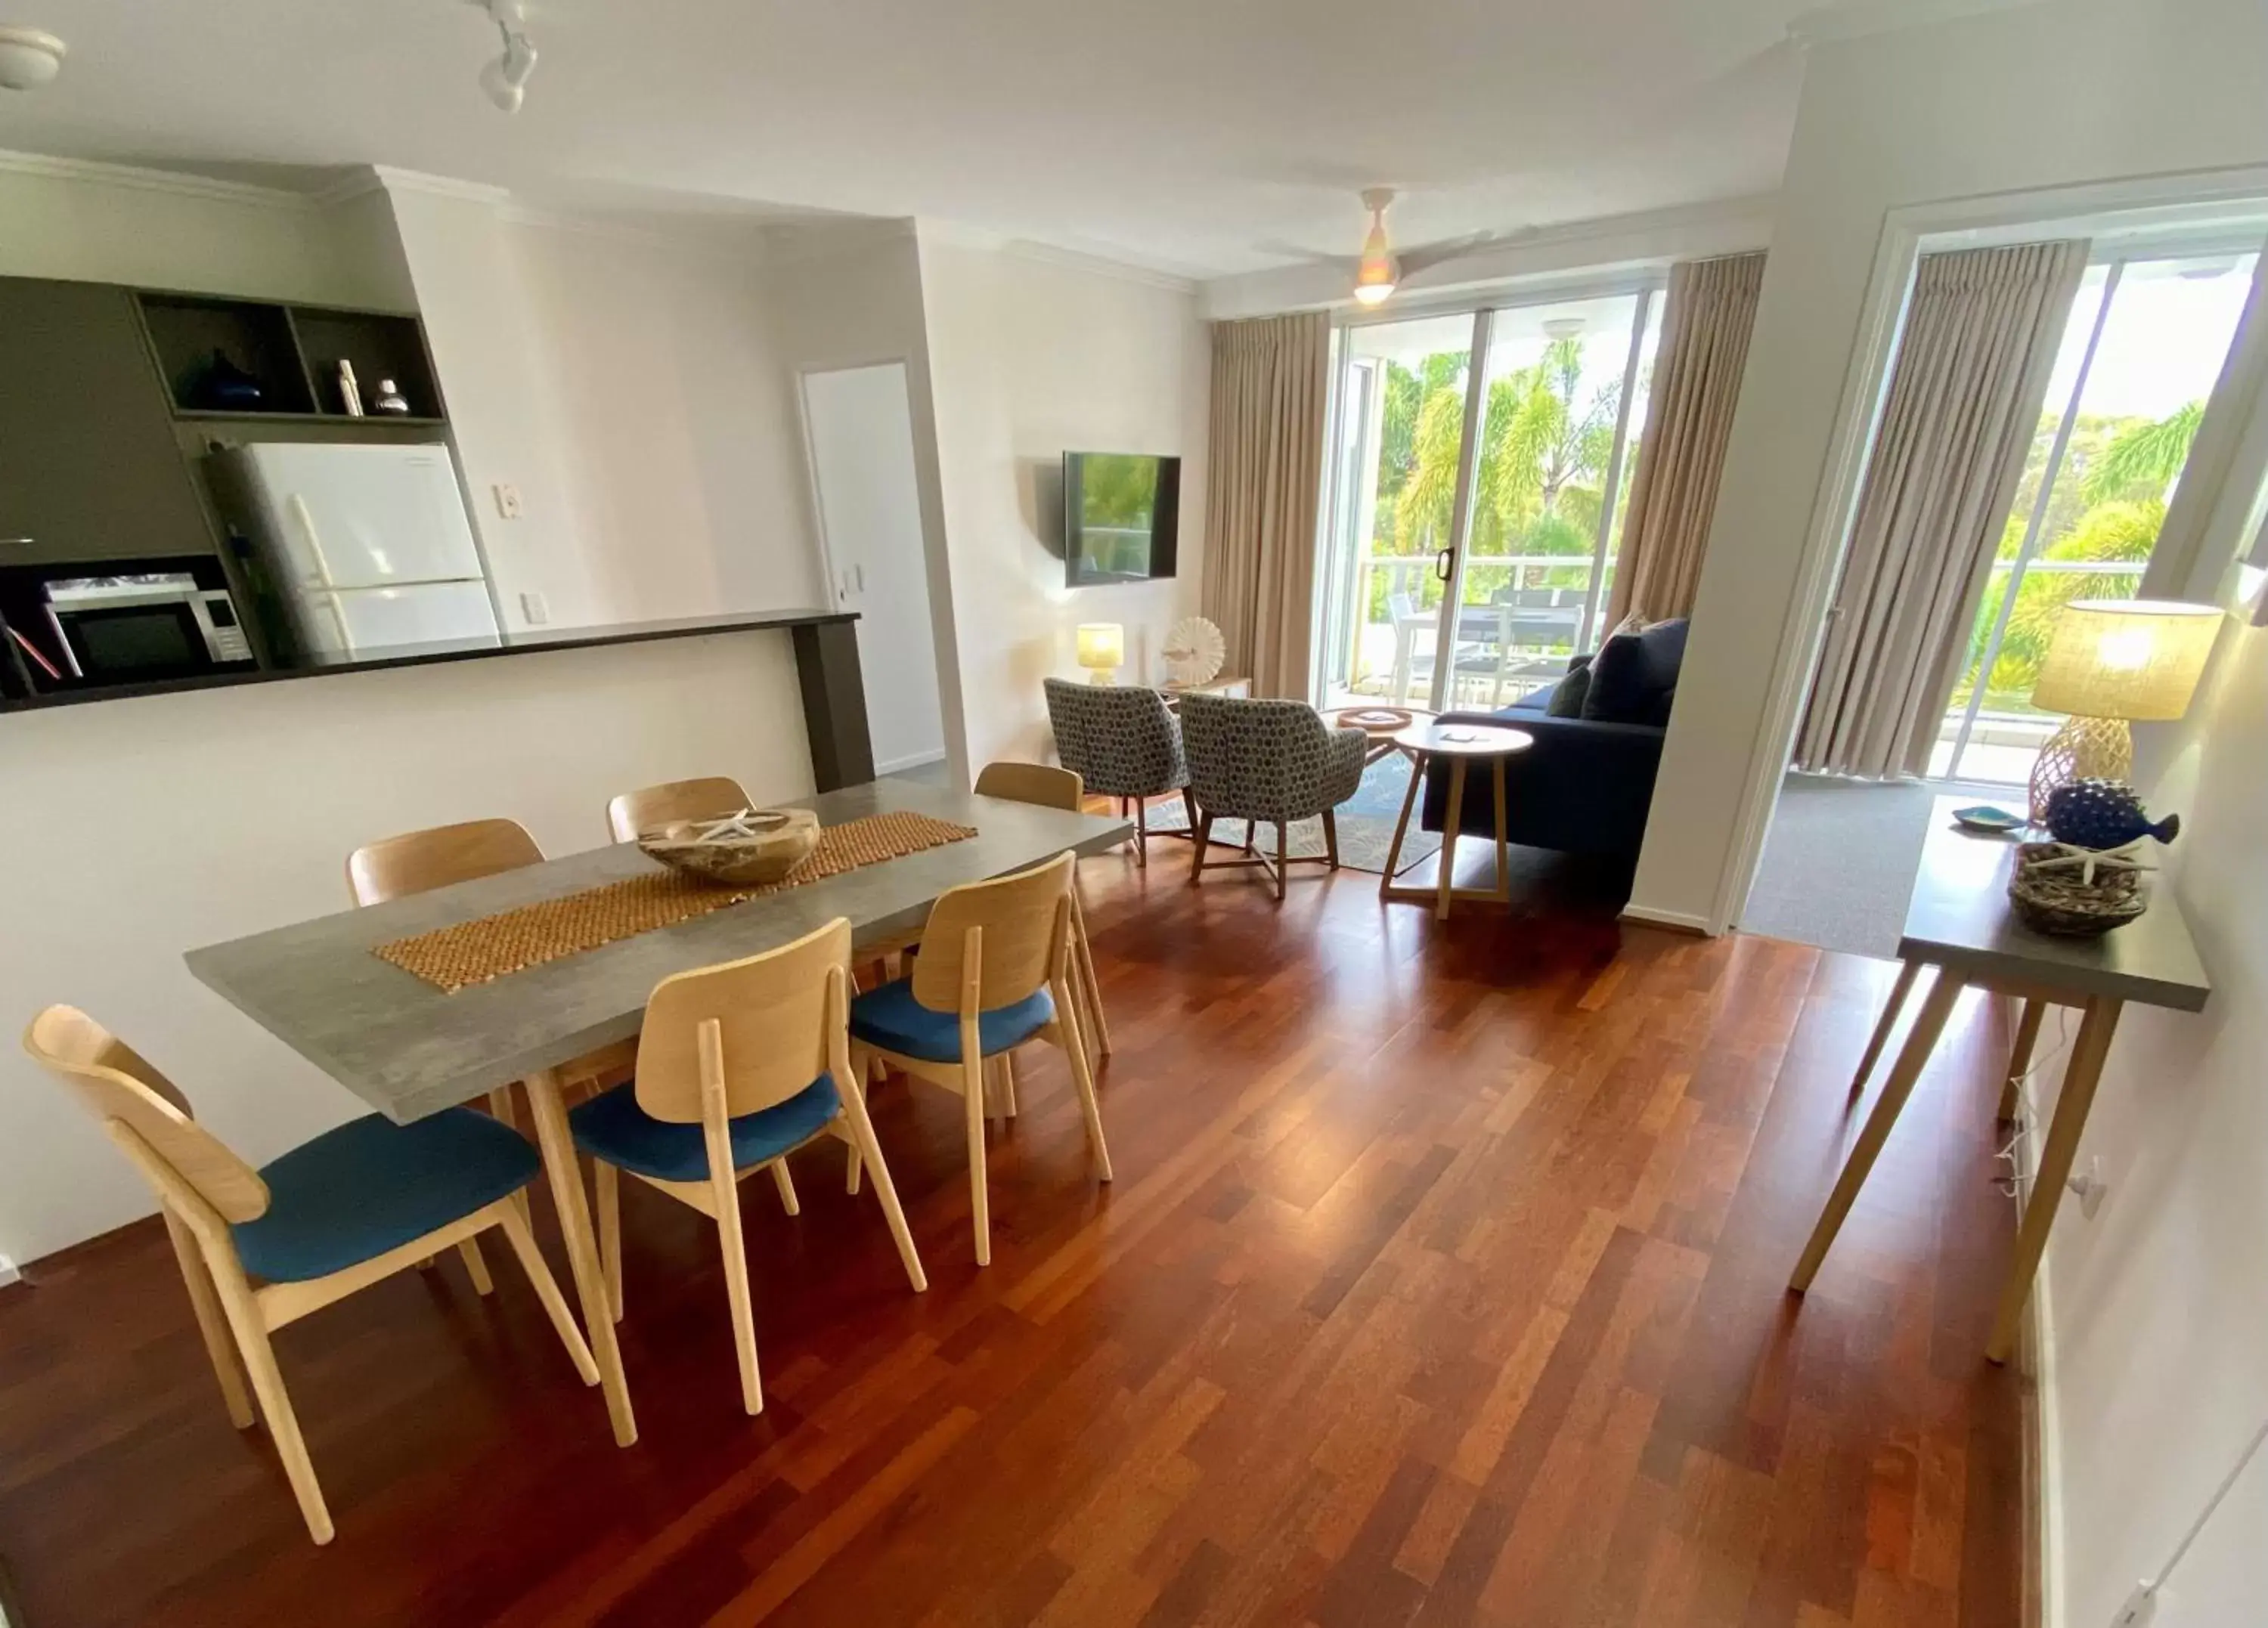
(1375, 277)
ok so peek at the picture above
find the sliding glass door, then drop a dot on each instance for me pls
(2140, 352)
(1474, 512)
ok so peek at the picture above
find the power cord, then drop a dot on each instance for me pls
(2141, 1607)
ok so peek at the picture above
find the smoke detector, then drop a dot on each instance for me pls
(29, 58)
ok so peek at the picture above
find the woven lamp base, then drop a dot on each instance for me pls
(2082, 749)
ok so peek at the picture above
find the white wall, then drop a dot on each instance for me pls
(848, 293)
(151, 229)
(2159, 1318)
(135, 829)
(680, 443)
(1035, 356)
(2042, 96)
(508, 424)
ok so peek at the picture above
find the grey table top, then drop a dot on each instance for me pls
(409, 1049)
(1959, 917)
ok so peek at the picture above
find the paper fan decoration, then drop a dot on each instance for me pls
(1193, 651)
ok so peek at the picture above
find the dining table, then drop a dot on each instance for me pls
(410, 1048)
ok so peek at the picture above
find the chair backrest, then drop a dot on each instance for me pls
(1041, 784)
(114, 1082)
(1250, 758)
(1401, 607)
(1120, 739)
(709, 797)
(417, 861)
(1025, 919)
(779, 1017)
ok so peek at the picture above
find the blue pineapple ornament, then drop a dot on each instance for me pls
(2103, 814)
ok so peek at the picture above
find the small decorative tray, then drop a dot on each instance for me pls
(1985, 816)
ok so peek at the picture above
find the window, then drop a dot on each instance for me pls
(1516, 533)
(2140, 352)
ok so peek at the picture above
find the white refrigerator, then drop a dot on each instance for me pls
(369, 546)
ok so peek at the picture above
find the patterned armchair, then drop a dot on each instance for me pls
(1272, 761)
(1122, 743)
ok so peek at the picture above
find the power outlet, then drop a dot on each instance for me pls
(533, 609)
(507, 500)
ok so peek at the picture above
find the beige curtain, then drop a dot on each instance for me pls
(1981, 333)
(1264, 467)
(1697, 383)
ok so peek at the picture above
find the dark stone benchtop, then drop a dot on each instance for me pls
(520, 643)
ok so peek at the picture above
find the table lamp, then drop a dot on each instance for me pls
(1101, 650)
(2110, 662)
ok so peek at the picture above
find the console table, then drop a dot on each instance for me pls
(1959, 922)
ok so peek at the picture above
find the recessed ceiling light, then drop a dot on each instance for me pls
(29, 58)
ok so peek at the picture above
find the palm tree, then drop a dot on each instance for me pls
(2144, 457)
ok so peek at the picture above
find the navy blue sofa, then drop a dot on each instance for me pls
(1586, 785)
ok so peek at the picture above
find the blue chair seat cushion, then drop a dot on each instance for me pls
(891, 1018)
(612, 1127)
(373, 1186)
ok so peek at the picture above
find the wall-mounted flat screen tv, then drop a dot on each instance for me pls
(1121, 513)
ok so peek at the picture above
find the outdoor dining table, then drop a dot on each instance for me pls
(410, 1048)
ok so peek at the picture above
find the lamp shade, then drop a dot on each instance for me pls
(2134, 659)
(1101, 646)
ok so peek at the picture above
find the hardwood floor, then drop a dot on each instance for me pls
(1442, 1282)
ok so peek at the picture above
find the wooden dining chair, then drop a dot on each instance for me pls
(709, 797)
(738, 1066)
(994, 971)
(1045, 786)
(418, 861)
(334, 1215)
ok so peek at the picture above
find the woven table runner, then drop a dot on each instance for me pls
(478, 952)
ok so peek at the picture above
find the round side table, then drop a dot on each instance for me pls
(1381, 724)
(1462, 743)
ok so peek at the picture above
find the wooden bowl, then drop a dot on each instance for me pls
(745, 849)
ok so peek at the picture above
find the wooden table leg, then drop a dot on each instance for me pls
(1883, 1024)
(1402, 828)
(1503, 847)
(1928, 1024)
(1449, 838)
(2020, 1057)
(557, 1143)
(2080, 1078)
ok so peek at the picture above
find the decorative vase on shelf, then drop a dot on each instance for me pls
(223, 386)
(389, 400)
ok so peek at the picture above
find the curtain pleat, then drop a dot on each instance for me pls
(1981, 333)
(1697, 384)
(1264, 472)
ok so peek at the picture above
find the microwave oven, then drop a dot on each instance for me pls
(122, 629)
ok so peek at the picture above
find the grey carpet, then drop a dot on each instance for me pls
(1366, 823)
(1839, 862)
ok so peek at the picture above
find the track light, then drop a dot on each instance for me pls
(504, 80)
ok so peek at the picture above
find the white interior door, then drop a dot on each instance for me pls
(859, 423)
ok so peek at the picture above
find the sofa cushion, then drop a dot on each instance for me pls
(1569, 694)
(1634, 676)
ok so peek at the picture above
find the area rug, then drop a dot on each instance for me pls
(1839, 862)
(1366, 822)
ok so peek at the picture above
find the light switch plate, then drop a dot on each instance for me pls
(507, 500)
(533, 609)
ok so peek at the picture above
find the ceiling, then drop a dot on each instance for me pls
(1203, 136)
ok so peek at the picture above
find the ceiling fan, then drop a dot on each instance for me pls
(1379, 270)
